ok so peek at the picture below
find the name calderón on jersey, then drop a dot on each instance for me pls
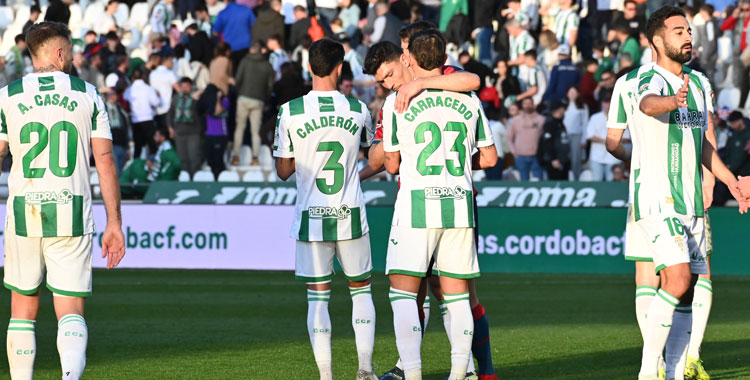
(49, 120)
(323, 132)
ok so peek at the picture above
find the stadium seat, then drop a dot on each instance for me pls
(22, 14)
(92, 14)
(728, 97)
(9, 39)
(94, 179)
(76, 15)
(586, 176)
(246, 155)
(203, 176)
(7, 17)
(253, 175)
(184, 176)
(265, 158)
(139, 15)
(4, 178)
(479, 175)
(229, 176)
(122, 14)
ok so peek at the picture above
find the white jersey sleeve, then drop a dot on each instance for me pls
(650, 85)
(390, 125)
(484, 136)
(618, 107)
(282, 144)
(368, 134)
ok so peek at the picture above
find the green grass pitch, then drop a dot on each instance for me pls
(168, 324)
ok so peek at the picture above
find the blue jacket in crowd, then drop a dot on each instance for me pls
(562, 77)
(234, 24)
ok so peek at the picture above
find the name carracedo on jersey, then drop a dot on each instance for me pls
(444, 193)
(328, 121)
(45, 197)
(328, 212)
(438, 101)
(689, 119)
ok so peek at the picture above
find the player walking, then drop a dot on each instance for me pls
(428, 145)
(52, 122)
(667, 200)
(319, 136)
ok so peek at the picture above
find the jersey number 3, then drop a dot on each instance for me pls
(51, 137)
(434, 144)
(333, 165)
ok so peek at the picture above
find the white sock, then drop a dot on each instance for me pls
(644, 294)
(701, 309)
(72, 338)
(426, 310)
(319, 329)
(461, 332)
(677, 343)
(659, 323)
(447, 326)
(363, 322)
(408, 332)
(21, 348)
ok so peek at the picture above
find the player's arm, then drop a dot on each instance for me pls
(392, 162)
(460, 81)
(484, 158)
(709, 181)
(113, 241)
(712, 161)
(617, 122)
(283, 149)
(615, 146)
(653, 105)
(528, 93)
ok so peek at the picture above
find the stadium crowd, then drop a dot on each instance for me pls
(193, 88)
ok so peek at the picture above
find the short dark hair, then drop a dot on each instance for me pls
(530, 53)
(708, 8)
(325, 55)
(655, 24)
(40, 33)
(35, 9)
(19, 37)
(380, 53)
(605, 95)
(201, 8)
(276, 38)
(599, 45)
(409, 30)
(621, 26)
(628, 2)
(193, 27)
(186, 80)
(91, 32)
(735, 115)
(428, 49)
(299, 8)
(111, 36)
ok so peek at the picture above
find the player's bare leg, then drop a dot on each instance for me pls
(21, 338)
(363, 323)
(676, 287)
(319, 326)
(702, 300)
(408, 330)
(456, 296)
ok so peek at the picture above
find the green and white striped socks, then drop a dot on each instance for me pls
(658, 325)
(408, 332)
(319, 329)
(701, 309)
(461, 332)
(644, 294)
(21, 348)
(677, 342)
(363, 322)
(72, 339)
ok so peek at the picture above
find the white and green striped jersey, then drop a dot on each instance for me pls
(48, 120)
(670, 147)
(530, 77)
(521, 44)
(323, 132)
(161, 17)
(565, 21)
(436, 137)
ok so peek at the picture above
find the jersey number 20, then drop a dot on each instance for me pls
(51, 137)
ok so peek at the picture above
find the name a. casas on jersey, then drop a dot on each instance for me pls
(327, 212)
(50, 100)
(445, 193)
(65, 196)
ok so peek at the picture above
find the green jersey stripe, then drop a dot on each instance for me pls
(3, 123)
(418, 216)
(674, 155)
(19, 215)
(354, 105)
(330, 229)
(304, 226)
(470, 207)
(394, 139)
(77, 215)
(77, 84)
(356, 223)
(46, 83)
(297, 107)
(622, 116)
(448, 212)
(480, 129)
(16, 87)
(698, 144)
(636, 206)
(49, 220)
(93, 117)
(326, 104)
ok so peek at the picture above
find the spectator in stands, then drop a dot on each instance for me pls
(214, 8)
(164, 81)
(14, 61)
(625, 63)
(739, 23)
(606, 84)
(154, 60)
(277, 56)
(635, 21)
(120, 126)
(189, 7)
(483, 29)
(345, 86)
(199, 45)
(327, 9)
(117, 79)
(575, 118)
(588, 83)
(162, 16)
(300, 26)
(90, 71)
(213, 108)
(604, 63)
(523, 139)
(255, 78)
(34, 13)
(112, 49)
(601, 14)
(508, 87)
(221, 68)
(646, 53)
(386, 25)
(618, 173)
(450, 9)
(473, 66)
(601, 162)
(738, 158)
(566, 23)
(554, 144)
(708, 43)
(563, 76)
(532, 79)
(203, 20)
(269, 22)
(144, 100)
(290, 86)
(628, 44)
(548, 57)
(58, 11)
(234, 25)
(349, 16)
(520, 42)
(165, 166)
(106, 22)
(187, 127)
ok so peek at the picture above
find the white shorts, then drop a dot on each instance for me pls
(410, 250)
(67, 261)
(709, 238)
(637, 246)
(676, 239)
(314, 259)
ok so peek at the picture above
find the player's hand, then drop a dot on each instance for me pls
(708, 196)
(406, 93)
(113, 245)
(744, 184)
(681, 96)
(734, 188)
